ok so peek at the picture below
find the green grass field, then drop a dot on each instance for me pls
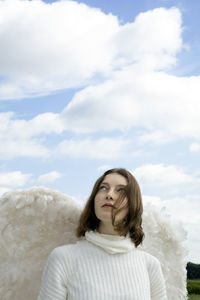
(194, 297)
(191, 284)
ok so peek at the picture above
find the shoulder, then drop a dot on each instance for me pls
(150, 258)
(63, 259)
(63, 252)
(152, 262)
(67, 251)
(60, 255)
(71, 254)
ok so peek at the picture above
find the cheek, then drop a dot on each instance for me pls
(98, 198)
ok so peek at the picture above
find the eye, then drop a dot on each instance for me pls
(102, 187)
(120, 189)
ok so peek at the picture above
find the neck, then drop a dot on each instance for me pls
(106, 229)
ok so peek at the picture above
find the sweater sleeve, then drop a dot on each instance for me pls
(54, 277)
(157, 281)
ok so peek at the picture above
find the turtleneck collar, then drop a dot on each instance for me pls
(110, 243)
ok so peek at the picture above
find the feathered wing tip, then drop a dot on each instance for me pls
(164, 238)
(35, 221)
(32, 223)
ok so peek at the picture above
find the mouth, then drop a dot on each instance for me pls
(108, 205)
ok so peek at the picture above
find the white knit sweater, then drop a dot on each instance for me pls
(85, 271)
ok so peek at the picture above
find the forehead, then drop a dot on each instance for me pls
(115, 179)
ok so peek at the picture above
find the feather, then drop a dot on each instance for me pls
(32, 223)
(164, 238)
(35, 221)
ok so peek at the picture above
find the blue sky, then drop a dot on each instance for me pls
(84, 89)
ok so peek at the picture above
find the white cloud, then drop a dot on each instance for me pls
(155, 200)
(41, 124)
(18, 137)
(184, 208)
(193, 241)
(159, 106)
(22, 148)
(160, 175)
(50, 177)
(163, 106)
(13, 179)
(3, 190)
(103, 148)
(64, 44)
(153, 39)
(195, 147)
(57, 45)
(156, 137)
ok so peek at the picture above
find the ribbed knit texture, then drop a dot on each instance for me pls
(84, 271)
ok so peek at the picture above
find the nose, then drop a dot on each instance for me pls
(109, 195)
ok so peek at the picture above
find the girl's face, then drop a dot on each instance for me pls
(109, 192)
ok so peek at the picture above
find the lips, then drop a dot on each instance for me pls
(107, 204)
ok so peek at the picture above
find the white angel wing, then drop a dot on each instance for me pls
(165, 240)
(32, 223)
(35, 221)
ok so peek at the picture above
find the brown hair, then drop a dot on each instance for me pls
(132, 222)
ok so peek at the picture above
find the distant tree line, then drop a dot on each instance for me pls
(193, 271)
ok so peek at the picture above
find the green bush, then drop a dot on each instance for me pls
(193, 287)
(193, 271)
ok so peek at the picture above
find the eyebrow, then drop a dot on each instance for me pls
(109, 184)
